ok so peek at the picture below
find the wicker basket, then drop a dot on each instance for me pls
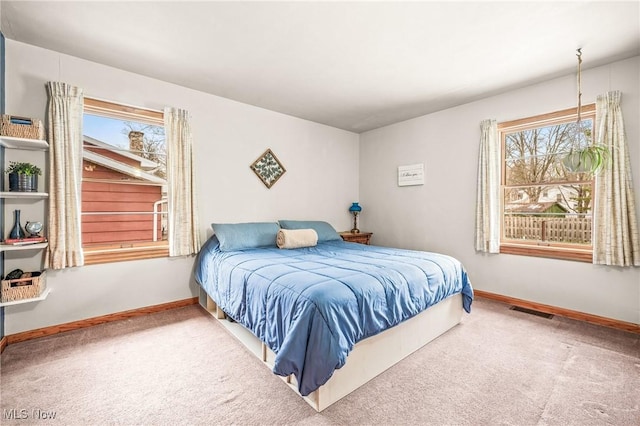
(23, 288)
(21, 127)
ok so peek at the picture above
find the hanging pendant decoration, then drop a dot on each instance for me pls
(588, 160)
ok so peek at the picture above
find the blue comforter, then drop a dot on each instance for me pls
(312, 305)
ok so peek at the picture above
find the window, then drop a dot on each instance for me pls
(545, 210)
(124, 187)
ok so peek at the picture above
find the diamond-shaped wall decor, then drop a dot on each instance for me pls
(268, 168)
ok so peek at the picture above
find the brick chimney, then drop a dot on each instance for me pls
(135, 142)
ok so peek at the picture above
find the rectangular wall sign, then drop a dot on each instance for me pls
(411, 175)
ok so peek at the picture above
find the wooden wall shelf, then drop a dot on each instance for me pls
(15, 247)
(19, 194)
(22, 143)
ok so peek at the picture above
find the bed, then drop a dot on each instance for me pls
(307, 311)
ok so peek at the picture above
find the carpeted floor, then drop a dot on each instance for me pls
(498, 367)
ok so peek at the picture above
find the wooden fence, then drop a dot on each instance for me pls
(575, 230)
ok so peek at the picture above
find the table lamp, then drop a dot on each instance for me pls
(355, 209)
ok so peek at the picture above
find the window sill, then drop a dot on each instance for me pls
(578, 255)
(108, 254)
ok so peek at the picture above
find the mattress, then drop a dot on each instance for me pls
(311, 305)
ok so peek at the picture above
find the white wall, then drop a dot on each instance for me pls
(320, 183)
(439, 216)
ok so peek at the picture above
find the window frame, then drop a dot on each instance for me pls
(565, 251)
(109, 253)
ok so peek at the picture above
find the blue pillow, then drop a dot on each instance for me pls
(241, 236)
(325, 231)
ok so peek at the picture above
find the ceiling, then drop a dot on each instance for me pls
(352, 65)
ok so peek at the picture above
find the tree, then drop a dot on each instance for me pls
(154, 148)
(532, 156)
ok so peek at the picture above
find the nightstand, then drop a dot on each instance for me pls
(360, 237)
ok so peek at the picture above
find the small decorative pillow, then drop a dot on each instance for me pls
(296, 238)
(242, 236)
(325, 231)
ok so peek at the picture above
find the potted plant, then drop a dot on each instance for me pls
(23, 177)
(589, 160)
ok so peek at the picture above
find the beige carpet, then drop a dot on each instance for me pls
(498, 367)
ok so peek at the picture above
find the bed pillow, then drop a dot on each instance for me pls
(296, 238)
(325, 231)
(242, 236)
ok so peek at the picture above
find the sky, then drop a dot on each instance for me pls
(107, 130)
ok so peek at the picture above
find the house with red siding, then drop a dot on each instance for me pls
(122, 199)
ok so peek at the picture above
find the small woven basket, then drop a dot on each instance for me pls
(21, 127)
(23, 288)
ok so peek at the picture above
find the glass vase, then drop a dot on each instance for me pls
(16, 232)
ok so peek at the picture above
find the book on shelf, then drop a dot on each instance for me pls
(24, 241)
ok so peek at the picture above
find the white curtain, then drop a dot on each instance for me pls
(184, 236)
(615, 241)
(65, 109)
(488, 196)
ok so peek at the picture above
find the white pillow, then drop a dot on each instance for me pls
(296, 238)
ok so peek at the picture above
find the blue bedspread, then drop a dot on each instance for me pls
(312, 305)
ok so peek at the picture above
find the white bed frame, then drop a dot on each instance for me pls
(368, 358)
